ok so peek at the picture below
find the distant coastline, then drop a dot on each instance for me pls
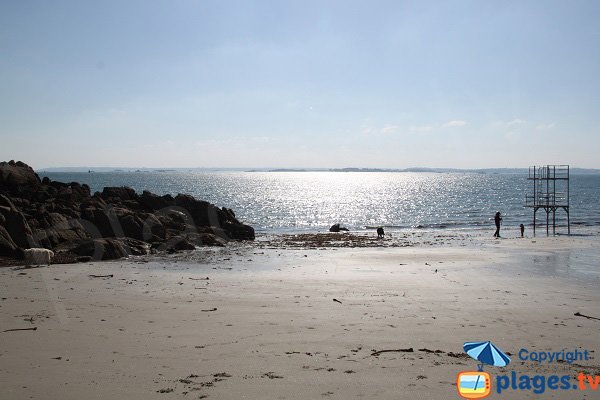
(574, 170)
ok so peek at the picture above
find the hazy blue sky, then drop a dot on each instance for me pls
(300, 83)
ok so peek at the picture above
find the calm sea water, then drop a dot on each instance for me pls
(312, 201)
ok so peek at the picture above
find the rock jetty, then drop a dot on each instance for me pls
(80, 226)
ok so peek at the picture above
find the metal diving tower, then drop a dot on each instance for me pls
(550, 193)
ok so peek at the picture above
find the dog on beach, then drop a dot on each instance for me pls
(380, 233)
(38, 256)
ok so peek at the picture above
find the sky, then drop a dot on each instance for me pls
(293, 84)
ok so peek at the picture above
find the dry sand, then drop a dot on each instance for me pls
(280, 321)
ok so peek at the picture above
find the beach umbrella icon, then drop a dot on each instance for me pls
(486, 353)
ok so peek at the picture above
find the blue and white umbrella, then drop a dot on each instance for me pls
(487, 353)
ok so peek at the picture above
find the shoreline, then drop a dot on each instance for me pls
(265, 323)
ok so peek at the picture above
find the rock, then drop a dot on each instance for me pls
(111, 248)
(182, 244)
(151, 202)
(6, 202)
(15, 224)
(16, 174)
(337, 228)
(100, 221)
(202, 212)
(135, 247)
(116, 222)
(133, 226)
(56, 229)
(8, 247)
(153, 226)
(122, 193)
(206, 239)
(101, 249)
(228, 212)
(238, 231)
(206, 214)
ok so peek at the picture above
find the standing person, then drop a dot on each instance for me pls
(497, 219)
(522, 229)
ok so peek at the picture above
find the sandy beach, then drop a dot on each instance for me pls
(271, 320)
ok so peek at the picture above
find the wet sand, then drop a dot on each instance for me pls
(275, 320)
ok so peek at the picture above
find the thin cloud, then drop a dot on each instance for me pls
(367, 130)
(420, 129)
(516, 122)
(454, 124)
(500, 124)
(388, 129)
(545, 126)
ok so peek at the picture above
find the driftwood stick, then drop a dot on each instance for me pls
(20, 329)
(28, 267)
(101, 276)
(578, 314)
(409, 350)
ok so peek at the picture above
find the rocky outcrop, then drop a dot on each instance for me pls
(114, 223)
(15, 174)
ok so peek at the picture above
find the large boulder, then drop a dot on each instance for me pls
(132, 226)
(17, 174)
(206, 214)
(153, 227)
(101, 249)
(203, 213)
(123, 222)
(7, 245)
(206, 239)
(135, 247)
(122, 193)
(100, 221)
(152, 202)
(238, 231)
(56, 228)
(181, 243)
(15, 223)
(111, 248)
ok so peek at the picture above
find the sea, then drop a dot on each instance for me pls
(296, 202)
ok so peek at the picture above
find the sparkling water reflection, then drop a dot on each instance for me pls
(309, 201)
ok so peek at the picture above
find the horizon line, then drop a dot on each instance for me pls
(289, 169)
